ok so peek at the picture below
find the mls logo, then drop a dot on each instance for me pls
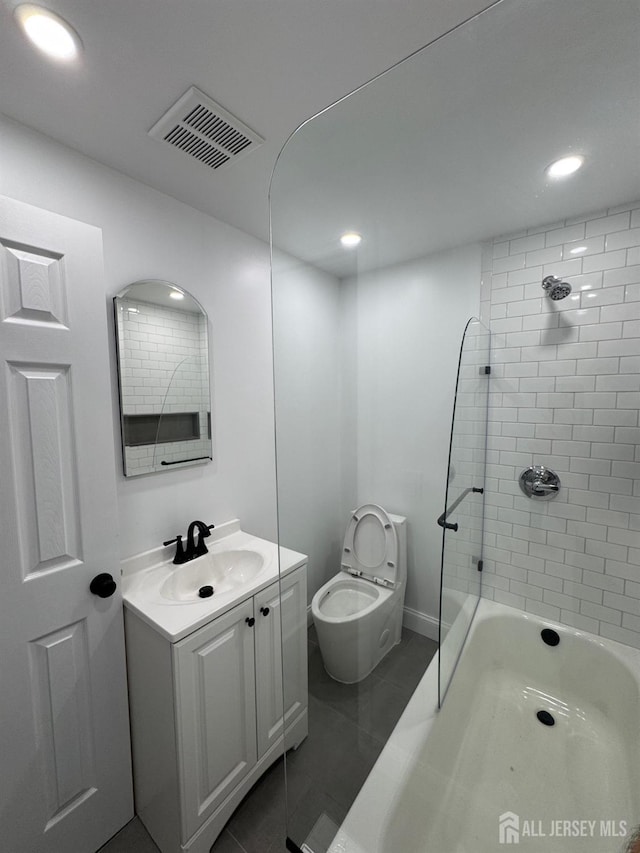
(509, 828)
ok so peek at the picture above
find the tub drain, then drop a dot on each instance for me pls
(550, 637)
(546, 718)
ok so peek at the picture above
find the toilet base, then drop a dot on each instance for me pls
(352, 650)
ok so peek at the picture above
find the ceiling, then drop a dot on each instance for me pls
(450, 147)
(272, 63)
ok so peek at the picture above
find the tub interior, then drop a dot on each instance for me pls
(506, 760)
(487, 752)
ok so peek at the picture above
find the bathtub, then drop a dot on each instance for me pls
(485, 772)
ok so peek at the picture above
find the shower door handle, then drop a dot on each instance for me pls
(447, 525)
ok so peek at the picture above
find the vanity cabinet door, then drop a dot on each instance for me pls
(270, 608)
(215, 712)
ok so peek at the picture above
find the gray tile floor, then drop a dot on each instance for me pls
(348, 726)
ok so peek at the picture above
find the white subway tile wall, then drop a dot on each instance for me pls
(565, 393)
(466, 471)
(163, 366)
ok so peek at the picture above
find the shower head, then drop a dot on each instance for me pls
(555, 288)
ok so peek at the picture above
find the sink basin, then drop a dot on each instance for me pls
(238, 566)
(225, 571)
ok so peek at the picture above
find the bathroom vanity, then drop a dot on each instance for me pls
(209, 710)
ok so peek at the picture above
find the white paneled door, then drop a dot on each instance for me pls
(65, 772)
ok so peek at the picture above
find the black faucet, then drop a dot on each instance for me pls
(194, 549)
(198, 549)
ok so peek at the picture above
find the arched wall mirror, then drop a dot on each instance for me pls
(163, 371)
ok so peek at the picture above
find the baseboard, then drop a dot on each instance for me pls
(421, 623)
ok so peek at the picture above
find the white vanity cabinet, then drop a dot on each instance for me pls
(269, 672)
(207, 711)
(215, 712)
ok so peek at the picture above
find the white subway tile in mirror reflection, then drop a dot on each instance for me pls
(164, 368)
(565, 392)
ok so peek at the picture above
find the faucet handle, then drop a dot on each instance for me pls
(203, 529)
(180, 556)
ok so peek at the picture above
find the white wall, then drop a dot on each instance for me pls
(308, 354)
(149, 235)
(408, 323)
(566, 393)
(365, 375)
(406, 327)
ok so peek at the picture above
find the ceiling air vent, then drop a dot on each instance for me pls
(203, 129)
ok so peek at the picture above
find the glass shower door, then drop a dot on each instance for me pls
(462, 519)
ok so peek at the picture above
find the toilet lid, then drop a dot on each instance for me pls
(371, 545)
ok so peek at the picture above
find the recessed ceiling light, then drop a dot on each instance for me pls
(176, 294)
(350, 239)
(49, 32)
(565, 166)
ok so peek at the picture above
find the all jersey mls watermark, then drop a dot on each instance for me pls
(512, 829)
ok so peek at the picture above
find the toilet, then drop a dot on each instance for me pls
(358, 613)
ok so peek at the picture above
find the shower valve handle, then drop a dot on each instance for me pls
(541, 488)
(539, 482)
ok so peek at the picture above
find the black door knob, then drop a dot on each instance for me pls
(250, 621)
(103, 585)
(264, 611)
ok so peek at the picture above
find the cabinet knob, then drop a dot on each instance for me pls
(250, 621)
(264, 611)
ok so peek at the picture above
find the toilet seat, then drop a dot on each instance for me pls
(370, 547)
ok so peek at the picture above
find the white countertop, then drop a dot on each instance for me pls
(144, 574)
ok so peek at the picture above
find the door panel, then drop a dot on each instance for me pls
(46, 488)
(215, 694)
(34, 285)
(63, 713)
(294, 643)
(268, 667)
(280, 644)
(64, 740)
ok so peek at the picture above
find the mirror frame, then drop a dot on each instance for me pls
(193, 427)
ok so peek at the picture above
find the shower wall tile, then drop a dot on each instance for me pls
(565, 392)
